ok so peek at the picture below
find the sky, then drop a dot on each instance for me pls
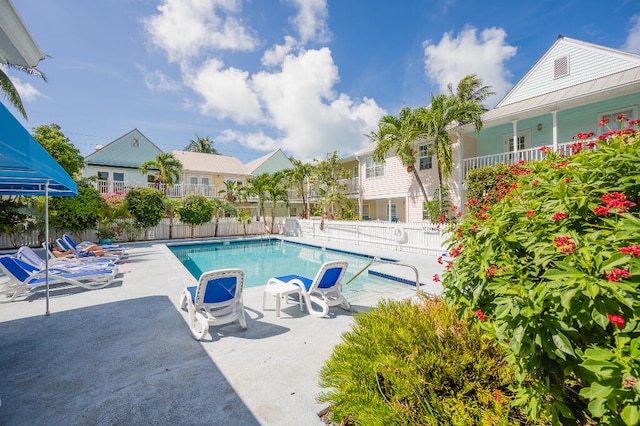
(306, 76)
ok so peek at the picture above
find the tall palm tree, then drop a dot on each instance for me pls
(277, 190)
(470, 88)
(231, 190)
(10, 92)
(435, 122)
(398, 134)
(168, 170)
(299, 177)
(204, 145)
(257, 185)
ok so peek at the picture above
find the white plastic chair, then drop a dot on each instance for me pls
(323, 290)
(216, 300)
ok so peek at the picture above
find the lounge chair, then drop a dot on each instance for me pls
(216, 300)
(323, 290)
(105, 247)
(26, 254)
(82, 252)
(24, 277)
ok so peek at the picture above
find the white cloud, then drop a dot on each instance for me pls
(226, 92)
(157, 81)
(632, 44)
(452, 58)
(257, 140)
(28, 93)
(311, 20)
(279, 52)
(185, 28)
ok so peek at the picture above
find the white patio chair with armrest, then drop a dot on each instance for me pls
(216, 300)
(323, 290)
(24, 277)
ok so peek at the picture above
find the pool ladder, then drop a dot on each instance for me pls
(377, 259)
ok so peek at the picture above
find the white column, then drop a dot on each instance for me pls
(460, 172)
(554, 113)
(515, 137)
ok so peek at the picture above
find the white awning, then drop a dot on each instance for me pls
(17, 47)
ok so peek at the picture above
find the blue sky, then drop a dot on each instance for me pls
(307, 76)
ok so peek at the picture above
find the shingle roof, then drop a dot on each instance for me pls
(210, 163)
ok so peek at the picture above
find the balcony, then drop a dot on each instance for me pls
(529, 154)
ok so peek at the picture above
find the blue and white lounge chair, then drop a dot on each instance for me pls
(216, 300)
(107, 247)
(82, 252)
(26, 254)
(323, 290)
(24, 277)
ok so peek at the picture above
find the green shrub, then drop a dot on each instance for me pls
(483, 182)
(554, 266)
(76, 214)
(406, 363)
(195, 209)
(146, 205)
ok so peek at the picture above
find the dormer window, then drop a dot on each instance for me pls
(561, 67)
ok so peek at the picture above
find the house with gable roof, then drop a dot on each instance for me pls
(569, 90)
(272, 162)
(116, 164)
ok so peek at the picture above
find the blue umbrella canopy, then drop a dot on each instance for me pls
(25, 166)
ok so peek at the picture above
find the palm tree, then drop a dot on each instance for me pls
(257, 185)
(231, 190)
(220, 208)
(277, 190)
(436, 121)
(398, 134)
(299, 177)
(9, 90)
(203, 145)
(470, 88)
(168, 170)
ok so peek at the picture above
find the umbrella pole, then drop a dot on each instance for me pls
(46, 239)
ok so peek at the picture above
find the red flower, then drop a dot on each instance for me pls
(456, 251)
(603, 122)
(601, 210)
(545, 150)
(530, 213)
(436, 278)
(633, 250)
(567, 180)
(614, 200)
(496, 395)
(560, 216)
(480, 315)
(616, 320)
(617, 274)
(565, 244)
(440, 260)
(491, 271)
(630, 382)
(535, 182)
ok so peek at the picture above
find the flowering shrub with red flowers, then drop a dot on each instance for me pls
(560, 289)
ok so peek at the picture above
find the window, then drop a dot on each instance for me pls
(631, 113)
(561, 67)
(293, 212)
(356, 172)
(374, 169)
(118, 176)
(151, 178)
(426, 160)
(391, 211)
(365, 211)
(103, 175)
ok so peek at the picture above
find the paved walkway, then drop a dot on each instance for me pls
(124, 354)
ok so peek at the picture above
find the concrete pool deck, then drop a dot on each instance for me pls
(124, 354)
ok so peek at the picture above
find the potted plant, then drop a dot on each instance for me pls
(106, 232)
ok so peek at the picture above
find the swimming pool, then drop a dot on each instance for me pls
(263, 259)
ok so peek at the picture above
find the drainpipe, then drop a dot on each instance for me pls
(554, 114)
(359, 187)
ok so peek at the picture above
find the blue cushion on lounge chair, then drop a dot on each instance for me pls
(218, 290)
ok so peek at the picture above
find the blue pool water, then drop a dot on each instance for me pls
(261, 260)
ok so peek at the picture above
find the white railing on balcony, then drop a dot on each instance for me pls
(529, 154)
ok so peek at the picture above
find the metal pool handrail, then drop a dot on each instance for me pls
(377, 259)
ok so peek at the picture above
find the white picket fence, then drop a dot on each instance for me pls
(422, 237)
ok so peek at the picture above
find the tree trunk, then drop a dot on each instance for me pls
(215, 228)
(417, 176)
(440, 207)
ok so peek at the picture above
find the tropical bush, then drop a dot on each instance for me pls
(76, 214)
(417, 363)
(146, 205)
(483, 182)
(552, 271)
(194, 210)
